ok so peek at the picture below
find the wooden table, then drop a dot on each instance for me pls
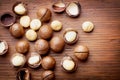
(104, 42)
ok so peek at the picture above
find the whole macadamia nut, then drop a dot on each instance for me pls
(45, 32)
(68, 64)
(87, 26)
(22, 46)
(25, 21)
(44, 14)
(70, 36)
(31, 35)
(19, 8)
(48, 75)
(57, 44)
(42, 46)
(18, 60)
(56, 25)
(35, 24)
(34, 60)
(48, 62)
(81, 52)
(16, 30)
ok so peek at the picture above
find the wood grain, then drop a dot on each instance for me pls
(104, 42)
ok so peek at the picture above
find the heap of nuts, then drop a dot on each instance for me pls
(46, 42)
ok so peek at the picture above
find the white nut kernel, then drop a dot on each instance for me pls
(2, 47)
(25, 21)
(34, 60)
(87, 26)
(70, 36)
(68, 64)
(56, 25)
(20, 9)
(35, 24)
(31, 35)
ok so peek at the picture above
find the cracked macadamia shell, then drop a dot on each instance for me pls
(34, 60)
(3, 47)
(45, 32)
(81, 52)
(48, 75)
(42, 46)
(18, 60)
(48, 62)
(44, 14)
(22, 46)
(70, 36)
(57, 44)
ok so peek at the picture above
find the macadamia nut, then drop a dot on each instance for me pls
(33, 60)
(87, 26)
(18, 60)
(70, 36)
(31, 35)
(20, 9)
(35, 24)
(68, 64)
(2, 47)
(25, 21)
(56, 25)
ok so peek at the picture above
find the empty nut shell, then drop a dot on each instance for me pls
(48, 75)
(23, 74)
(48, 62)
(73, 9)
(17, 30)
(22, 46)
(57, 44)
(42, 46)
(44, 14)
(3, 47)
(87, 26)
(68, 64)
(70, 36)
(45, 32)
(81, 52)
(34, 60)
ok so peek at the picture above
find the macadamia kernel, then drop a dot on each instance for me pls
(87, 26)
(25, 21)
(31, 35)
(35, 24)
(2, 47)
(33, 60)
(20, 9)
(70, 36)
(56, 25)
(68, 64)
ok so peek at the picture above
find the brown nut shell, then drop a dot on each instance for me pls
(48, 75)
(42, 46)
(81, 52)
(7, 19)
(57, 44)
(23, 74)
(16, 30)
(75, 39)
(48, 62)
(45, 32)
(68, 58)
(22, 46)
(73, 6)
(3, 47)
(34, 60)
(44, 14)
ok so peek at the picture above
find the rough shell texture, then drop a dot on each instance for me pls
(48, 75)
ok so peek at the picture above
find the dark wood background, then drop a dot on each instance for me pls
(104, 42)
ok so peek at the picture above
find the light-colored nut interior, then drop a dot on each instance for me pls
(70, 36)
(56, 25)
(35, 24)
(68, 64)
(2, 47)
(33, 60)
(25, 21)
(87, 26)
